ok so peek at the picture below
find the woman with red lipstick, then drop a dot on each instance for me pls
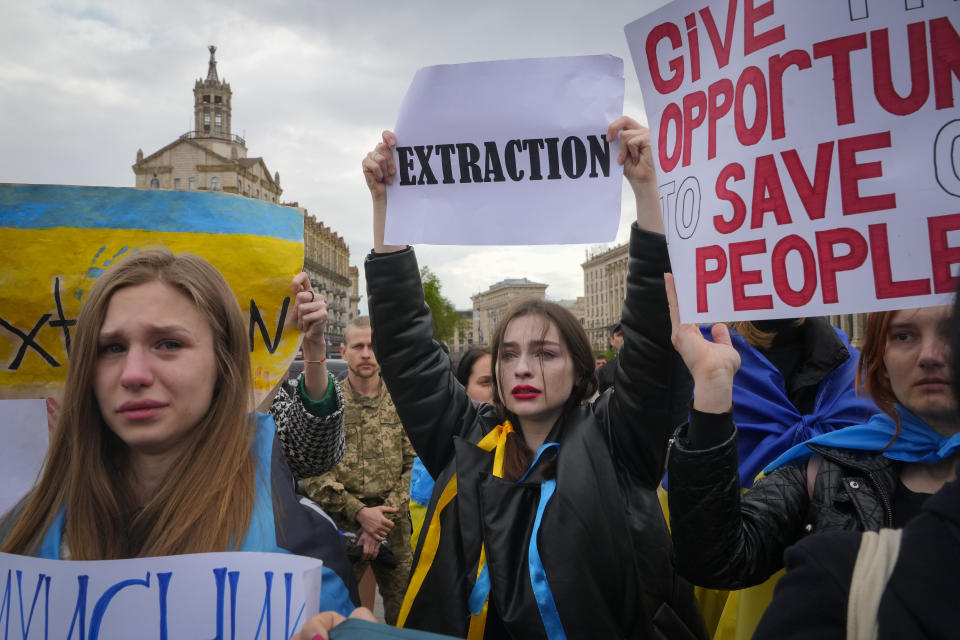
(157, 450)
(544, 520)
(858, 478)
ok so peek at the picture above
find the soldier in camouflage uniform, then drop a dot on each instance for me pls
(368, 492)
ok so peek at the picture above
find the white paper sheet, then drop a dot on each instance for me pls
(804, 169)
(560, 106)
(208, 595)
(23, 430)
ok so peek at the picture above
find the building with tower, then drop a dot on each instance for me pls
(210, 157)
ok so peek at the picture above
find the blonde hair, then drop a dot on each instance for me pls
(205, 502)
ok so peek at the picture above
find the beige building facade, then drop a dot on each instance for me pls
(210, 157)
(604, 288)
(490, 305)
(852, 324)
(462, 334)
(326, 260)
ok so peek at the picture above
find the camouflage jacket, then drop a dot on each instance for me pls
(376, 463)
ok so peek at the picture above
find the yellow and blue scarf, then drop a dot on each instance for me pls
(479, 598)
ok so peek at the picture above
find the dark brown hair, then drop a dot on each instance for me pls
(518, 455)
(465, 366)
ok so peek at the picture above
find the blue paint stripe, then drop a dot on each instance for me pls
(51, 206)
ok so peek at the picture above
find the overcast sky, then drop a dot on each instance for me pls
(83, 85)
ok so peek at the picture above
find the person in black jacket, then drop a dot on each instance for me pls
(544, 520)
(860, 478)
(605, 373)
(920, 596)
(919, 600)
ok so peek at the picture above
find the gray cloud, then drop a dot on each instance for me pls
(87, 83)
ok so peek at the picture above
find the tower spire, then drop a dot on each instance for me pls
(212, 70)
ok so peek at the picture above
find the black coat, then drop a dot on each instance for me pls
(603, 540)
(921, 597)
(605, 374)
(728, 540)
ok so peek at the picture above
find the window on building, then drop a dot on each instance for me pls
(154, 183)
(206, 98)
(214, 183)
(218, 121)
(217, 99)
(176, 183)
(191, 183)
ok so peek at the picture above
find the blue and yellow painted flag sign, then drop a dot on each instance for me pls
(55, 241)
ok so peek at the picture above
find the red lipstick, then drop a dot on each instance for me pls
(525, 392)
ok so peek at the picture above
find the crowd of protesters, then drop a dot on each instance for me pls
(657, 496)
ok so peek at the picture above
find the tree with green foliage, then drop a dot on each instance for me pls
(445, 317)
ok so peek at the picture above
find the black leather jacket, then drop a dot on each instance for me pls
(727, 540)
(603, 540)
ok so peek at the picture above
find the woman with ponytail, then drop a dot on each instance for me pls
(544, 520)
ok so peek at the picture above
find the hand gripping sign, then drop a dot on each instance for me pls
(806, 152)
(55, 241)
(508, 152)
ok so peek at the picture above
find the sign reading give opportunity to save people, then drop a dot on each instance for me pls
(806, 152)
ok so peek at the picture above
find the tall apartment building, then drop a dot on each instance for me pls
(462, 338)
(490, 305)
(604, 288)
(326, 260)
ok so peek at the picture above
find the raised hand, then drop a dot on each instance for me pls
(379, 168)
(378, 171)
(310, 314)
(636, 157)
(712, 364)
(309, 311)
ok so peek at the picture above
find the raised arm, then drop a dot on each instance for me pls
(432, 405)
(723, 539)
(651, 386)
(309, 412)
(378, 170)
